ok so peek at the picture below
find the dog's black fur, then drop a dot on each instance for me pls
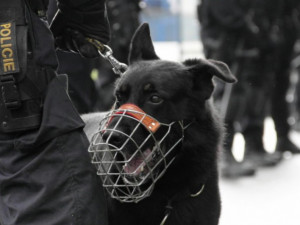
(181, 92)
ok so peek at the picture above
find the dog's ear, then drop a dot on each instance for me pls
(141, 47)
(203, 71)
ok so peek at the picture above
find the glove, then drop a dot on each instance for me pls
(72, 26)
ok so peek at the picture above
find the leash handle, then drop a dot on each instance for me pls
(106, 52)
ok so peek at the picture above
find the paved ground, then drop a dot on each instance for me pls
(271, 197)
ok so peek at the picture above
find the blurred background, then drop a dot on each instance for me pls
(174, 28)
(259, 40)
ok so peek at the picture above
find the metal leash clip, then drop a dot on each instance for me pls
(106, 52)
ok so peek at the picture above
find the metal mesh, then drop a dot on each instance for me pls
(130, 177)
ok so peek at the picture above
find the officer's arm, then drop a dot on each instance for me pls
(78, 19)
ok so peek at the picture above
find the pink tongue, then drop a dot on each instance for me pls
(134, 166)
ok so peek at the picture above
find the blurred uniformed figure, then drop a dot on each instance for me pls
(294, 91)
(124, 18)
(244, 34)
(285, 28)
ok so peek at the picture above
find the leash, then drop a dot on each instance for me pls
(106, 52)
(169, 205)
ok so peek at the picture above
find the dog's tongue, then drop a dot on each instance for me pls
(135, 165)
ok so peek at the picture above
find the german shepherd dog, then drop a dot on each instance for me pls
(156, 151)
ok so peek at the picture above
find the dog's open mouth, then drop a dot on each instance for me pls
(138, 166)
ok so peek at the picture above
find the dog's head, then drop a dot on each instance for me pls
(155, 103)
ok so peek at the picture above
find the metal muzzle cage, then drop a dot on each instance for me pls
(130, 166)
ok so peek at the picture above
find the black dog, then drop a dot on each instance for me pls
(187, 193)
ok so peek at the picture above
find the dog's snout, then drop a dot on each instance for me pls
(113, 138)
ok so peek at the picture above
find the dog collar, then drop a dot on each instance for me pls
(169, 205)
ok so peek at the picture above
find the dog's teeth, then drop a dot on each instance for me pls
(142, 168)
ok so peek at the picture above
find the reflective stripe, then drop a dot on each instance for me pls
(8, 49)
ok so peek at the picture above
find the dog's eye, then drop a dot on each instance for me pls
(156, 99)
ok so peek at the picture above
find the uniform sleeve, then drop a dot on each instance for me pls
(86, 16)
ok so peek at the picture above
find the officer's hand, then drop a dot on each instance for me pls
(70, 29)
(73, 41)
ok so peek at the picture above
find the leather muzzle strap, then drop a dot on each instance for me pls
(132, 110)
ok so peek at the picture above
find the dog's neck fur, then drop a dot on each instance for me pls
(195, 153)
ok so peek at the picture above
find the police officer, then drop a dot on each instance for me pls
(223, 27)
(45, 172)
(238, 33)
(276, 19)
(286, 26)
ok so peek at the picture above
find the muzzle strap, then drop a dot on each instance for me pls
(130, 109)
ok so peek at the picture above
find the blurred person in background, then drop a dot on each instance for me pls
(294, 91)
(296, 125)
(242, 33)
(124, 18)
(285, 33)
(222, 28)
